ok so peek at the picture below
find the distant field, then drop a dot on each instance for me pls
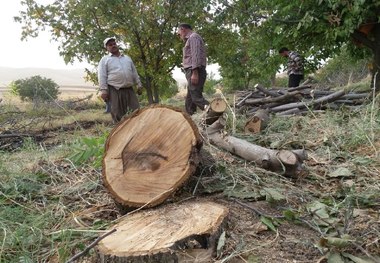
(66, 91)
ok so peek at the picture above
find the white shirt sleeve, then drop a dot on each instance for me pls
(102, 75)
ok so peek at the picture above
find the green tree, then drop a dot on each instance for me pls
(318, 29)
(146, 27)
(35, 88)
(243, 51)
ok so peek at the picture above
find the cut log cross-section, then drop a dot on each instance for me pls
(164, 234)
(217, 107)
(258, 122)
(149, 155)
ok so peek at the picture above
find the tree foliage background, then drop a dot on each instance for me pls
(242, 36)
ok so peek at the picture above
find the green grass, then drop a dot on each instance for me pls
(47, 202)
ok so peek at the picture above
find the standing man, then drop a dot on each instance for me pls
(194, 64)
(117, 75)
(294, 68)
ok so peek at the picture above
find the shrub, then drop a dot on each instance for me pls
(210, 84)
(35, 88)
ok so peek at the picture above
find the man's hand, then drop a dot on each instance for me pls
(194, 77)
(139, 91)
(104, 96)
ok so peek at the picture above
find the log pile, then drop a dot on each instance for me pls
(295, 101)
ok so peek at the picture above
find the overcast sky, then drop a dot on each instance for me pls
(35, 52)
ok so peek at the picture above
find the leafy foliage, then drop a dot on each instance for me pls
(35, 88)
(210, 85)
(88, 150)
(146, 29)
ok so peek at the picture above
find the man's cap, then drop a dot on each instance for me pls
(105, 41)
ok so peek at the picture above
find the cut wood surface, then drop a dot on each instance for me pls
(217, 108)
(149, 155)
(258, 122)
(157, 235)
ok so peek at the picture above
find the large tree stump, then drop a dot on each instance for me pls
(149, 155)
(165, 233)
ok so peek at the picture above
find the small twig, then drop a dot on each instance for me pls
(145, 205)
(257, 211)
(2, 245)
(15, 135)
(78, 230)
(366, 252)
(93, 244)
(199, 179)
(13, 201)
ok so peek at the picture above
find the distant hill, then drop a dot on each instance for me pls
(63, 77)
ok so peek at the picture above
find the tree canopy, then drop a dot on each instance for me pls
(243, 36)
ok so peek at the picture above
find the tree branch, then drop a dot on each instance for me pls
(363, 39)
(93, 244)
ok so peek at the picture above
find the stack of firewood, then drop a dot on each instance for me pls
(295, 101)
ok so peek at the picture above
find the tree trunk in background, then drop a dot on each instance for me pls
(156, 98)
(148, 88)
(149, 155)
(376, 65)
(167, 234)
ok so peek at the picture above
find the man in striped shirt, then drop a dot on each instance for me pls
(194, 64)
(294, 67)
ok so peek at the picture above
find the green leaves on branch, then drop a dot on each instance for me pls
(88, 151)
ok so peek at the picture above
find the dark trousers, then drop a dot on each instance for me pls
(194, 97)
(122, 100)
(294, 80)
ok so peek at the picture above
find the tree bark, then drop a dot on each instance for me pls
(317, 102)
(286, 97)
(165, 233)
(282, 161)
(376, 65)
(149, 155)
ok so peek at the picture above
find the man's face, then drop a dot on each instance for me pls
(112, 46)
(182, 32)
(284, 54)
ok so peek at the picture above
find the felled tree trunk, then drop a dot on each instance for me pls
(165, 234)
(282, 161)
(258, 122)
(217, 108)
(149, 155)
